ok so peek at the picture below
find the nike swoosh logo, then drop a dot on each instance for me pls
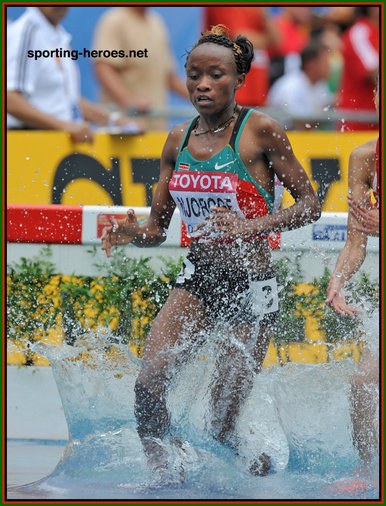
(218, 167)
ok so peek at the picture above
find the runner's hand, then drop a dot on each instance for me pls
(119, 232)
(336, 299)
(223, 223)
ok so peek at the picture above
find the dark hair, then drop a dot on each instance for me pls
(312, 51)
(242, 48)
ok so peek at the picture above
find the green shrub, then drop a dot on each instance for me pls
(29, 312)
(128, 294)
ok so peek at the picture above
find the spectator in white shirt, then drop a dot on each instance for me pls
(304, 91)
(44, 92)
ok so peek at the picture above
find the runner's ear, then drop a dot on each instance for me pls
(239, 81)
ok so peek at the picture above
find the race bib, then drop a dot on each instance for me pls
(264, 296)
(196, 193)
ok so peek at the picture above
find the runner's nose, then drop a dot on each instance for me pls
(204, 84)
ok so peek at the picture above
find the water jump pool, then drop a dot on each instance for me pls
(298, 414)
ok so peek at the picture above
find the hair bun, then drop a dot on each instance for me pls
(246, 47)
(220, 30)
(242, 48)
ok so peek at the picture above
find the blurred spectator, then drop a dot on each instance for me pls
(304, 91)
(331, 37)
(141, 80)
(339, 17)
(329, 23)
(361, 63)
(44, 91)
(253, 23)
(294, 27)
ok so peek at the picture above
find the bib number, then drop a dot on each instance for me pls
(264, 296)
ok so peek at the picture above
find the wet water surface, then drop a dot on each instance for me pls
(297, 414)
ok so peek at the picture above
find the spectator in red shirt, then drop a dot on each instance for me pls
(361, 63)
(254, 23)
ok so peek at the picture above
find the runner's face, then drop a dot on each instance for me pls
(212, 78)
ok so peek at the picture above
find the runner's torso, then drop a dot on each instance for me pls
(221, 181)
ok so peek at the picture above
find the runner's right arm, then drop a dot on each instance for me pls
(153, 231)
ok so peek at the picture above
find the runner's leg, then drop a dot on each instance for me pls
(179, 322)
(364, 387)
(236, 368)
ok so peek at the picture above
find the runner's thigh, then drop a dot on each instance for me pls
(180, 320)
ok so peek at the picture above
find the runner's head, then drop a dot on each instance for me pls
(241, 48)
(215, 70)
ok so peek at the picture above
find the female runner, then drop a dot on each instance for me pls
(219, 169)
(363, 221)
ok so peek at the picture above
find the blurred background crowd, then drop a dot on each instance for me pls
(314, 66)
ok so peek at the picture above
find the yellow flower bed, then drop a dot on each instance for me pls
(313, 349)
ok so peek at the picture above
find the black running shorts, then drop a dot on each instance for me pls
(232, 295)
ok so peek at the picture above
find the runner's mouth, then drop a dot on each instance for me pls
(203, 98)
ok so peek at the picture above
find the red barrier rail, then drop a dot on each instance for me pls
(44, 224)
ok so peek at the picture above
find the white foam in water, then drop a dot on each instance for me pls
(297, 414)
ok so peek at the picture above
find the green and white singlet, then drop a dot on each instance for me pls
(221, 181)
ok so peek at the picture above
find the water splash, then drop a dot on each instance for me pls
(297, 414)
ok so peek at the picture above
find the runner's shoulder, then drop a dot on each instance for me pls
(175, 138)
(365, 152)
(177, 133)
(264, 125)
